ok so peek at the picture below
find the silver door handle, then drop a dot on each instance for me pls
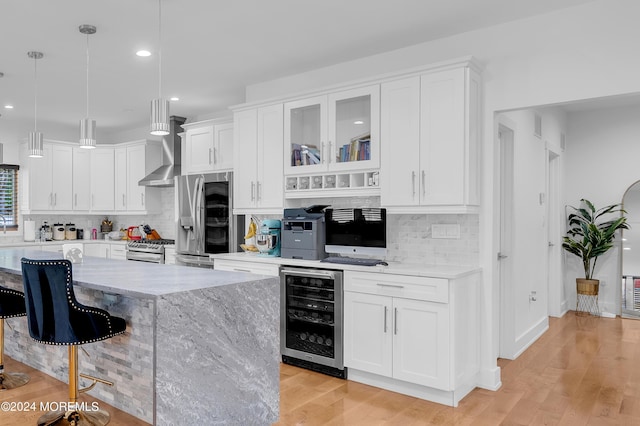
(55, 199)
(502, 256)
(322, 153)
(395, 320)
(215, 156)
(385, 319)
(253, 185)
(424, 183)
(92, 201)
(209, 156)
(76, 200)
(329, 155)
(413, 182)
(142, 199)
(259, 191)
(241, 270)
(124, 200)
(328, 275)
(51, 199)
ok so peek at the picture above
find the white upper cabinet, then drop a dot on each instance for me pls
(133, 161)
(334, 132)
(208, 147)
(102, 179)
(81, 185)
(51, 181)
(429, 130)
(258, 136)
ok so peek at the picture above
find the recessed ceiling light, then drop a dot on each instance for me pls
(8, 106)
(627, 248)
(174, 98)
(358, 122)
(143, 53)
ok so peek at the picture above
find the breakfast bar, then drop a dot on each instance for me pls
(201, 346)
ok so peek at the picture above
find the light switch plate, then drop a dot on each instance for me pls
(445, 231)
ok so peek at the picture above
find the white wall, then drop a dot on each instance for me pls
(602, 156)
(575, 53)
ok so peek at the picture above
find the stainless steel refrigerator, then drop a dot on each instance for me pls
(204, 218)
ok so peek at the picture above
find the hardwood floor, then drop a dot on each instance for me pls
(582, 371)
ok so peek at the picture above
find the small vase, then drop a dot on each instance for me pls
(587, 287)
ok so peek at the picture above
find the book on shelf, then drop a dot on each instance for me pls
(303, 155)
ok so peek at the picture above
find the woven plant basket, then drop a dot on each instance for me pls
(587, 287)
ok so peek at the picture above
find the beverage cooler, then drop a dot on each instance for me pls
(311, 321)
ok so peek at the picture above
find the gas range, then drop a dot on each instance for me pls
(147, 250)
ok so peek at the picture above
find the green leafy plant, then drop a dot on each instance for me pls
(590, 235)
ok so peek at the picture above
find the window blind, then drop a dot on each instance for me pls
(9, 195)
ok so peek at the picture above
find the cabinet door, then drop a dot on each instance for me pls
(368, 333)
(353, 126)
(102, 179)
(199, 150)
(117, 251)
(442, 134)
(305, 135)
(41, 188)
(136, 194)
(400, 142)
(223, 147)
(245, 133)
(120, 178)
(81, 179)
(97, 250)
(62, 177)
(270, 182)
(421, 342)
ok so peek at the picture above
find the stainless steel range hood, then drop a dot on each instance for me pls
(171, 158)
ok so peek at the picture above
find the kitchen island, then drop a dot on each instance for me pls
(201, 346)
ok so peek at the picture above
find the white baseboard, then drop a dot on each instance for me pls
(490, 379)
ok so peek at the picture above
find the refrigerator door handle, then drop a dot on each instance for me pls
(198, 213)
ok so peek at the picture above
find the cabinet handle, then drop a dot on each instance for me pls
(51, 199)
(124, 200)
(413, 182)
(253, 187)
(142, 199)
(93, 204)
(322, 153)
(395, 320)
(424, 183)
(55, 199)
(390, 285)
(76, 200)
(385, 319)
(329, 155)
(209, 156)
(259, 191)
(241, 270)
(215, 156)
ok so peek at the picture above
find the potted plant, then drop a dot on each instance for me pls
(591, 235)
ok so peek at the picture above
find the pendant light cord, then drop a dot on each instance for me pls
(160, 49)
(87, 76)
(35, 93)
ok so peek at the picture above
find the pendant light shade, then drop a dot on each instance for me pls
(36, 145)
(160, 117)
(159, 106)
(87, 125)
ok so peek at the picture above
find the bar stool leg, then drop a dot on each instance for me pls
(8, 380)
(75, 417)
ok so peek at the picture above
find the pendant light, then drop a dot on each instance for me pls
(159, 106)
(36, 146)
(87, 125)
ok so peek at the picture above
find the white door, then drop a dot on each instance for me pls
(81, 179)
(368, 332)
(245, 135)
(41, 189)
(442, 133)
(505, 226)
(223, 147)
(554, 267)
(306, 148)
(120, 175)
(102, 179)
(135, 172)
(400, 131)
(62, 177)
(200, 154)
(421, 343)
(270, 181)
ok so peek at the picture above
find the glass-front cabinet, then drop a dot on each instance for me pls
(338, 131)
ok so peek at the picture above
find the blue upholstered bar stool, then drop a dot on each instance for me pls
(11, 305)
(55, 317)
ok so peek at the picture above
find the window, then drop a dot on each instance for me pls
(9, 195)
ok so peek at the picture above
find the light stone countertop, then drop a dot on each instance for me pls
(398, 268)
(26, 244)
(136, 279)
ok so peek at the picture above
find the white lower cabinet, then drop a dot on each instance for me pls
(118, 251)
(97, 250)
(170, 255)
(403, 333)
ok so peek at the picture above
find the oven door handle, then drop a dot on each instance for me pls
(187, 260)
(314, 274)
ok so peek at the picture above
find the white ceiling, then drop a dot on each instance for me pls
(210, 49)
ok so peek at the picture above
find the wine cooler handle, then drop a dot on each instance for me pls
(328, 275)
